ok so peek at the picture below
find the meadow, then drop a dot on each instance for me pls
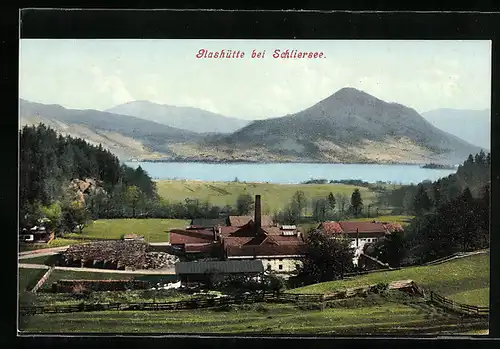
(153, 229)
(259, 319)
(275, 197)
(464, 280)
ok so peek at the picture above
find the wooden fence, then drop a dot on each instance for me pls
(458, 307)
(42, 280)
(186, 304)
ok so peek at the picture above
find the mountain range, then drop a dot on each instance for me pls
(472, 126)
(349, 126)
(187, 118)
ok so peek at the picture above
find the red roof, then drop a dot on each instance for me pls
(287, 240)
(200, 248)
(237, 241)
(362, 227)
(179, 236)
(392, 227)
(330, 227)
(265, 250)
(239, 221)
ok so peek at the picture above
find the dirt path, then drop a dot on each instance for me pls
(166, 271)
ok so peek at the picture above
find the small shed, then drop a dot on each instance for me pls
(204, 271)
(129, 237)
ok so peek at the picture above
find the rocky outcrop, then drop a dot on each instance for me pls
(82, 187)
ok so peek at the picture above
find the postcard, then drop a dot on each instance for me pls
(242, 187)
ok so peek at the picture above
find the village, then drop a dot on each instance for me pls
(235, 245)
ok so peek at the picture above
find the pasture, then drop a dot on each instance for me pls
(153, 229)
(464, 280)
(274, 196)
(259, 319)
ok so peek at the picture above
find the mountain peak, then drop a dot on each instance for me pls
(352, 95)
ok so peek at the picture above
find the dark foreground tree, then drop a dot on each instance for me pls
(356, 202)
(244, 204)
(390, 249)
(325, 259)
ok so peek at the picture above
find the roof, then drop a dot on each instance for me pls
(207, 223)
(180, 236)
(227, 267)
(265, 250)
(392, 227)
(239, 221)
(330, 227)
(362, 227)
(206, 248)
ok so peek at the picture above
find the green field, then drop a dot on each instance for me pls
(465, 280)
(262, 319)
(153, 229)
(403, 220)
(57, 242)
(45, 260)
(274, 196)
(29, 277)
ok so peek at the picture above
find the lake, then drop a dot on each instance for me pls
(285, 173)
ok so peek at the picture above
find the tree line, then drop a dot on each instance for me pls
(48, 162)
(451, 215)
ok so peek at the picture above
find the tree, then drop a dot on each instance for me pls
(320, 209)
(331, 201)
(391, 249)
(326, 258)
(244, 204)
(53, 213)
(342, 200)
(133, 195)
(75, 216)
(356, 202)
(299, 201)
(421, 202)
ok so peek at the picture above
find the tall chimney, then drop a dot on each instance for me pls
(257, 217)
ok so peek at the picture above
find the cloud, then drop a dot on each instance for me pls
(111, 86)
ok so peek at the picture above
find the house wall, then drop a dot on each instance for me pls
(362, 241)
(287, 264)
(281, 265)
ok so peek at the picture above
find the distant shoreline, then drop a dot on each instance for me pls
(221, 162)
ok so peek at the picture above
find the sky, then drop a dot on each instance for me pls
(100, 74)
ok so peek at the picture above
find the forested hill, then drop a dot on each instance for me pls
(49, 162)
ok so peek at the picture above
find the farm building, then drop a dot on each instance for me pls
(278, 247)
(194, 241)
(128, 237)
(36, 234)
(359, 233)
(206, 272)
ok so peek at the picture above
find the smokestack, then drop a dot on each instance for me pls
(257, 217)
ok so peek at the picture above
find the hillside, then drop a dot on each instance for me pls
(465, 280)
(186, 118)
(473, 126)
(124, 135)
(274, 196)
(349, 126)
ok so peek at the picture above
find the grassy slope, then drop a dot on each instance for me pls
(274, 196)
(153, 230)
(277, 319)
(58, 242)
(46, 260)
(29, 277)
(390, 219)
(465, 280)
